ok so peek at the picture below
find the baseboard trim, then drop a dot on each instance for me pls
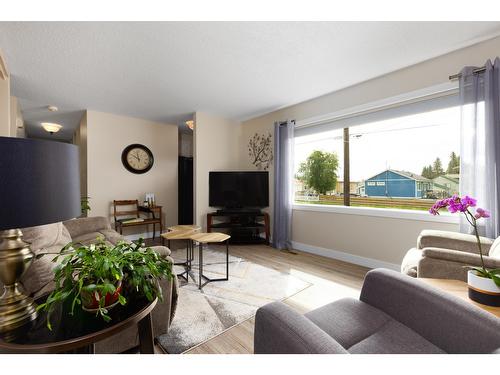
(346, 257)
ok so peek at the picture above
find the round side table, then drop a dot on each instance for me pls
(79, 332)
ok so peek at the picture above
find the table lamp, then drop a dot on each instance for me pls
(39, 184)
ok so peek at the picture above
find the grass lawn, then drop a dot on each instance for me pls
(332, 203)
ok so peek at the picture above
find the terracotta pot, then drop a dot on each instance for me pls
(91, 304)
(483, 290)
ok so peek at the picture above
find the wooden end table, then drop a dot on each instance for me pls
(78, 333)
(185, 227)
(459, 289)
(207, 238)
(156, 214)
(182, 232)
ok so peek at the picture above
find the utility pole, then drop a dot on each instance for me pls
(347, 183)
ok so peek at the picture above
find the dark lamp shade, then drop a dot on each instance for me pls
(39, 182)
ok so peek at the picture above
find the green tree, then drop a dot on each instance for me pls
(437, 168)
(427, 172)
(319, 171)
(453, 164)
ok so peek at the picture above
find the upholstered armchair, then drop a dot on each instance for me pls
(395, 314)
(445, 255)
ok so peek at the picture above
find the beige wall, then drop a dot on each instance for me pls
(216, 148)
(80, 139)
(5, 107)
(383, 239)
(107, 136)
(389, 238)
(16, 119)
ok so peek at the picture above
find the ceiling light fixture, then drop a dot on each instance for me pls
(52, 108)
(51, 127)
(190, 124)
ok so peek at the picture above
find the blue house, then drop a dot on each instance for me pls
(397, 184)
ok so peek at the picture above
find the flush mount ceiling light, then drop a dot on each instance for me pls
(190, 124)
(51, 127)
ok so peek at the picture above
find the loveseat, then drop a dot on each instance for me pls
(52, 237)
(395, 314)
(446, 255)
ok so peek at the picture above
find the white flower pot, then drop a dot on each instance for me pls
(483, 290)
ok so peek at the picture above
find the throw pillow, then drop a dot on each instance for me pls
(50, 238)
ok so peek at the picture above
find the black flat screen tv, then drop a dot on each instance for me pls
(238, 189)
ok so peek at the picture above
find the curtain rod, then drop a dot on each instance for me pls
(458, 75)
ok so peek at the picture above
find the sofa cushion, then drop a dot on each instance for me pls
(80, 226)
(50, 238)
(348, 320)
(452, 240)
(162, 250)
(112, 236)
(89, 238)
(495, 249)
(394, 338)
(409, 264)
(40, 276)
(44, 236)
(361, 328)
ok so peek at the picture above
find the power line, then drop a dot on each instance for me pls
(358, 135)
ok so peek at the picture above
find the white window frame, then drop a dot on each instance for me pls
(393, 213)
(448, 88)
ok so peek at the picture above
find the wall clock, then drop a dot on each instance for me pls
(137, 158)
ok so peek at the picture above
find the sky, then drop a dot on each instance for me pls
(406, 143)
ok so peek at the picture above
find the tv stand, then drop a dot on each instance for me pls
(242, 226)
(232, 211)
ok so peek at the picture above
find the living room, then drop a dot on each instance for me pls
(266, 187)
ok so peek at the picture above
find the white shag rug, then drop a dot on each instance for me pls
(220, 305)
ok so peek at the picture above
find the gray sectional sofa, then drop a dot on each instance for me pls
(52, 237)
(395, 314)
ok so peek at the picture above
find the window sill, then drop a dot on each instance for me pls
(379, 212)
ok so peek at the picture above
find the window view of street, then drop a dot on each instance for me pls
(403, 163)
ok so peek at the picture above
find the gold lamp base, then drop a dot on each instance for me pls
(16, 309)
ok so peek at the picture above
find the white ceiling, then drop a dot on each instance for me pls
(165, 71)
(36, 113)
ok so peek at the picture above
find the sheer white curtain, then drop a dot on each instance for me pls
(480, 142)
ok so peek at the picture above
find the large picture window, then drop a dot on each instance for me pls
(402, 159)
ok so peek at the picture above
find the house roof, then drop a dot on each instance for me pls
(450, 177)
(410, 175)
(440, 186)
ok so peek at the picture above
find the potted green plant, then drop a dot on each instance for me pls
(84, 205)
(484, 284)
(95, 276)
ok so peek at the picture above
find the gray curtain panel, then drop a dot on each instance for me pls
(480, 142)
(283, 187)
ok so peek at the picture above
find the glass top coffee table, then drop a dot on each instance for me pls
(79, 333)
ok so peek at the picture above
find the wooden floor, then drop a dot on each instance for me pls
(330, 279)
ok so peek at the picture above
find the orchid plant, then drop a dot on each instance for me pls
(464, 205)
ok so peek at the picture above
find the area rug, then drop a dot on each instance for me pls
(220, 305)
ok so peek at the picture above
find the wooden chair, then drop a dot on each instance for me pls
(133, 213)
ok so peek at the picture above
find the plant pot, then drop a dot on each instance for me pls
(483, 290)
(91, 304)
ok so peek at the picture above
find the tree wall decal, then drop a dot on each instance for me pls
(260, 151)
